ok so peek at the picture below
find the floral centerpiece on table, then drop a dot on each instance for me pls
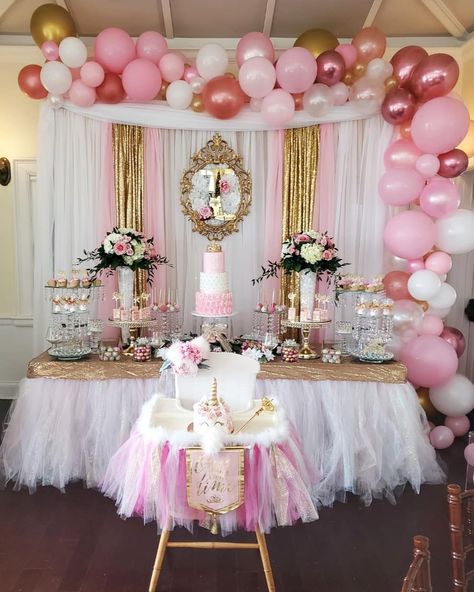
(124, 247)
(257, 351)
(186, 357)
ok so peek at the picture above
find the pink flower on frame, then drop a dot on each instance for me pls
(224, 186)
(205, 213)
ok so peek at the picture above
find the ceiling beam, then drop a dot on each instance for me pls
(372, 14)
(446, 17)
(5, 5)
(269, 14)
(63, 4)
(167, 19)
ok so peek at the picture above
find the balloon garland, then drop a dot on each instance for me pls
(412, 91)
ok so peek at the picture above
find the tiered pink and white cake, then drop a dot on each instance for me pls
(214, 297)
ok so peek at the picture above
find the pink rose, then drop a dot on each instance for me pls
(327, 255)
(329, 243)
(120, 248)
(224, 186)
(129, 251)
(126, 239)
(205, 213)
(152, 252)
(302, 238)
(323, 241)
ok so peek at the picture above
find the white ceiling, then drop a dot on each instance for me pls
(232, 18)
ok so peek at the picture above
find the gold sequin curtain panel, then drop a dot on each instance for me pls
(301, 153)
(128, 148)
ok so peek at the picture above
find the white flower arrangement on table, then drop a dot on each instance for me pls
(186, 357)
(257, 351)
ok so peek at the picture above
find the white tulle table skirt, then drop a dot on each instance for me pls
(367, 438)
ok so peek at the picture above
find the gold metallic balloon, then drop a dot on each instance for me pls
(197, 104)
(424, 305)
(391, 83)
(229, 75)
(424, 399)
(161, 96)
(348, 78)
(316, 41)
(358, 70)
(51, 22)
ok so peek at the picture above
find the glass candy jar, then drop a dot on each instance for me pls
(109, 353)
(142, 350)
(289, 351)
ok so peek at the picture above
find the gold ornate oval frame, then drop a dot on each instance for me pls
(216, 151)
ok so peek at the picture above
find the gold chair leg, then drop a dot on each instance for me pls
(267, 567)
(160, 556)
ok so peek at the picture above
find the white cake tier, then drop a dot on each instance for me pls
(214, 304)
(214, 283)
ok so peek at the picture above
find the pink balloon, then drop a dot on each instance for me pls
(458, 425)
(404, 62)
(469, 454)
(254, 45)
(401, 154)
(114, 49)
(395, 284)
(256, 105)
(296, 70)
(257, 77)
(434, 76)
(81, 95)
(455, 338)
(427, 165)
(441, 437)
(439, 198)
(340, 93)
(50, 50)
(439, 262)
(189, 73)
(453, 163)
(430, 361)
(439, 125)
(398, 187)
(415, 265)
(278, 107)
(398, 106)
(92, 74)
(348, 53)
(152, 46)
(141, 80)
(330, 67)
(431, 325)
(370, 43)
(171, 67)
(410, 234)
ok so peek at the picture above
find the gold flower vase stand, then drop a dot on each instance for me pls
(305, 353)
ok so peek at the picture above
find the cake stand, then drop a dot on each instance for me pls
(133, 327)
(215, 320)
(305, 353)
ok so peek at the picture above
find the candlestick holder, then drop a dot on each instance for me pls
(305, 353)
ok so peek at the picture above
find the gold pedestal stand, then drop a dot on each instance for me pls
(134, 329)
(305, 353)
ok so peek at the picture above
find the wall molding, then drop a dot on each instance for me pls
(16, 321)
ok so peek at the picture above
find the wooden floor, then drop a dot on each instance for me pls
(75, 542)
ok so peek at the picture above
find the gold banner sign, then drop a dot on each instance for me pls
(215, 484)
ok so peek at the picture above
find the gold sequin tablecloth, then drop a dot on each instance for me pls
(91, 368)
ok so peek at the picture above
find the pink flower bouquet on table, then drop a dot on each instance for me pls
(186, 357)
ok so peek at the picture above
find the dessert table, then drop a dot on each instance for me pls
(360, 425)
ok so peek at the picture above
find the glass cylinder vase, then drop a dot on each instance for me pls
(125, 277)
(307, 290)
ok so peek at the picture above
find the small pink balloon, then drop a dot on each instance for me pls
(439, 262)
(431, 325)
(152, 46)
(189, 73)
(415, 265)
(455, 338)
(296, 70)
(114, 49)
(410, 234)
(427, 165)
(256, 104)
(278, 107)
(330, 67)
(81, 95)
(401, 154)
(469, 454)
(439, 198)
(257, 77)
(141, 80)
(348, 53)
(50, 50)
(253, 45)
(340, 93)
(430, 361)
(458, 425)
(453, 163)
(171, 67)
(92, 74)
(441, 437)
(399, 187)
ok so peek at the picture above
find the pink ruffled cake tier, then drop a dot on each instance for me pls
(214, 304)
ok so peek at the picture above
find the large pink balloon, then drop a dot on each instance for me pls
(431, 325)
(171, 67)
(254, 45)
(459, 425)
(330, 67)
(401, 154)
(430, 361)
(455, 338)
(439, 198)
(404, 62)
(348, 53)
(410, 234)
(439, 262)
(222, 97)
(278, 107)
(141, 80)
(114, 49)
(370, 43)
(398, 106)
(439, 125)
(453, 163)
(81, 95)
(152, 46)
(435, 76)
(441, 437)
(398, 187)
(257, 77)
(296, 70)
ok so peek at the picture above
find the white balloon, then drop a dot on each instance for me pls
(445, 298)
(179, 94)
(73, 52)
(55, 101)
(56, 78)
(424, 284)
(456, 232)
(212, 60)
(318, 100)
(378, 69)
(197, 84)
(455, 397)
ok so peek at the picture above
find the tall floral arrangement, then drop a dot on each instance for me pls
(124, 247)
